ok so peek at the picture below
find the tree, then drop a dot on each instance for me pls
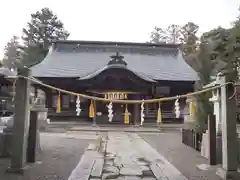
(204, 67)
(173, 34)
(158, 36)
(237, 21)
(190, 43)
(189, 38)
(11, 53)
(225, 45)
(41, 31)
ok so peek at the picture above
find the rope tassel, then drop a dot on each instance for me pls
(159, 115)
(142, 112)
(191, 109)
(58, 103)
(91, 110)
(177, 108)
(110, 112)
(78, 109)
(126, 116)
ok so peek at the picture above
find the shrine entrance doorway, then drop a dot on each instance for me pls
(118, 108)
(118, 112)
(114, 82)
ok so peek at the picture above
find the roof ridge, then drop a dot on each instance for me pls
(116, 43)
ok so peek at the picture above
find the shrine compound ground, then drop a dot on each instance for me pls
(81, 155)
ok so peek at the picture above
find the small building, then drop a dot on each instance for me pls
(6, 91)
(115, 70)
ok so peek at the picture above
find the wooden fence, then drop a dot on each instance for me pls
(192, 139)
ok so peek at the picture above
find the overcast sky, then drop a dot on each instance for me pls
(117, 20)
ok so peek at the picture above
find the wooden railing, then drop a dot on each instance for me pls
(165, 114)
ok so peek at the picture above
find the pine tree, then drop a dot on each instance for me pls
(41, 31)
(11, 53)
(189, 38)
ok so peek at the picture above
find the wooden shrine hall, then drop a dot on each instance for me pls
(114, 70)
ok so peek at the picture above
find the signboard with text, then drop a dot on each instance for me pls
(115, 95)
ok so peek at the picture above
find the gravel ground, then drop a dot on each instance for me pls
(60, 155)
(182, 157)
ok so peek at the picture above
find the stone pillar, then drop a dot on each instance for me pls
(229, 134)
(34, 134)
(21, 122)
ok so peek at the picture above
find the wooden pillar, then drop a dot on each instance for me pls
(136, 115)
(229, 134)
(21, 122)
(32, 137)
(35, 92)
(48, 97)
(147, 109)
(212, 144)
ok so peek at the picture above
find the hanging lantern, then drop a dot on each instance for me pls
(159, 115)
(110, 112)
(177, 108)
(91, 110)
(78, 109)
(58, 103)
(191, 109)
(142, 112)
(126, 116)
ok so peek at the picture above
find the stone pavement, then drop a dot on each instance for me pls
(124, 156)
(187, 160)
(114, 155)
(136, 159)
(60, 154)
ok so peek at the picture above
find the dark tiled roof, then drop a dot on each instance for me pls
(80, 58)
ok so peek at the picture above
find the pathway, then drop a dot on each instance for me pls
(124, 156)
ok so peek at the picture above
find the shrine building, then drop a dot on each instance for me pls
(114, 70)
